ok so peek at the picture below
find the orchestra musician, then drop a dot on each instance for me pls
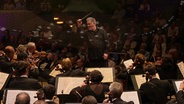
(6, 64)
(93, 87)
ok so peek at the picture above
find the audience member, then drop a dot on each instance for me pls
(22, 98)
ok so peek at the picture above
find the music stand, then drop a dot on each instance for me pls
(64, 85)
(10, 95)
(131, 96)
(176, 84)
(4, 80)
(137, 80)
(181, 67)
(108, 73)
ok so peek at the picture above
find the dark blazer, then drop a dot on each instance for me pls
(98, 92)
(24, 83)
(120, 101)
(180, 97)
(155, 91)
(6, 65)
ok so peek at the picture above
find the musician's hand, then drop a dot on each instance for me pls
(130, 67)
(106, 101)
(79, 22)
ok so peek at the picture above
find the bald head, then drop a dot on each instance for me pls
(22, 98)
(9, 51)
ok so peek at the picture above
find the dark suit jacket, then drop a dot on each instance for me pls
(180, 97)
(120, 101)
(24, 83)
(98, 92)
(155, 91)
(6, 65)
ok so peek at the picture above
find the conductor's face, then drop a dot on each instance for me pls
(91, 25)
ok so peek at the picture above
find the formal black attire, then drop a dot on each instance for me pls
(180, 97)
(6, 65)
(155, 91)
(97, 44)
(96, 90)
(120, 101)
(24, 83)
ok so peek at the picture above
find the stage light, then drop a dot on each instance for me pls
(59, 22)
(56, 18)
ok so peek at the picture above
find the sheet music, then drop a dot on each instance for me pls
(11, 96)
(55, 72)
(177, 85)
(130, 96)
(139, 79)
(128, 63)
(108, 73)
(3, 79)
(66, 84)
(181, 67)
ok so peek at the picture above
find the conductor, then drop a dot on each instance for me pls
(96, 41)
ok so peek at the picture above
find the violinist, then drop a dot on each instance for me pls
(33, 59)
(95, 87)
(66, 69)
(6, 64)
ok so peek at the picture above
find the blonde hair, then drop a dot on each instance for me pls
(66, 63)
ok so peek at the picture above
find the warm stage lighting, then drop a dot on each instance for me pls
(56, 18)
(59, 22)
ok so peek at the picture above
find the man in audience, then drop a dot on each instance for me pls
(22, 98)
